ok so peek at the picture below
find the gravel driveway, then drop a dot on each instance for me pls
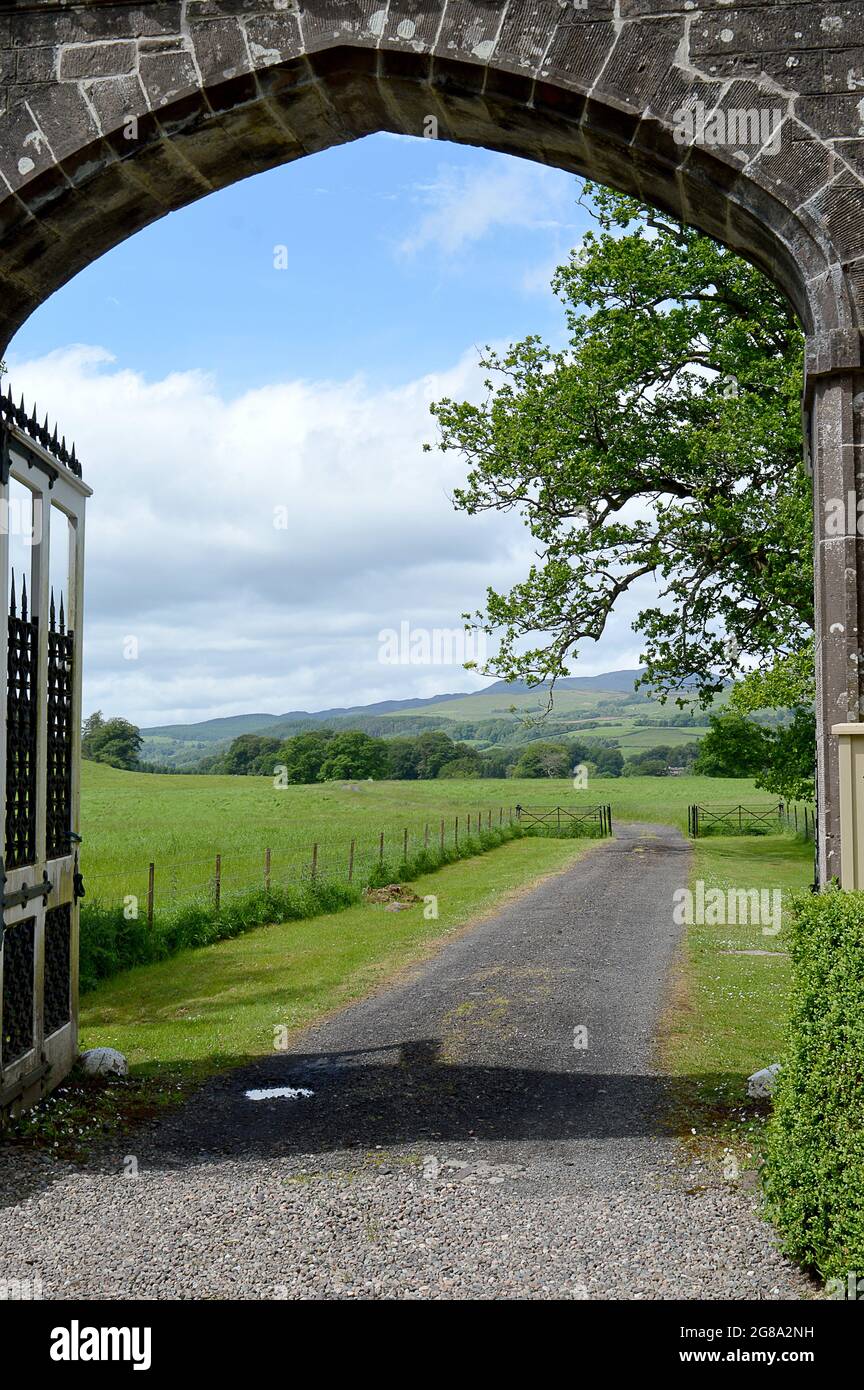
(455, 1144)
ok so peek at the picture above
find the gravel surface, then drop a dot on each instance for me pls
(456, 1144)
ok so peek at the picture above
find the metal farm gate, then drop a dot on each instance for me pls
(42, 499)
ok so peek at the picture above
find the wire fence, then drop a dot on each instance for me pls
(801, 820)
(218, 877)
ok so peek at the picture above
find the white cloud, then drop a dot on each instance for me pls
(464, 204)
(233, 614)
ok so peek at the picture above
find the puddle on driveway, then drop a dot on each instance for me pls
(280, 1093)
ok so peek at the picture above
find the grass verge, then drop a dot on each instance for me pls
(730, 998)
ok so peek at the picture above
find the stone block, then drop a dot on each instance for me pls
(97, 60)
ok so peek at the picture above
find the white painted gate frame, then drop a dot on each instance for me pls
(59, 491)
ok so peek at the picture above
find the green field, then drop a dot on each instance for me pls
(570, 704)
(631, 737)
(180, 823)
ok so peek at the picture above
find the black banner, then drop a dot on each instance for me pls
(83, 1341)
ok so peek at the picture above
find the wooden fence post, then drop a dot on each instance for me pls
(151, 875)
(469, 825)
(267, 869)
(314, 861)
(456, 832)
(426, 836)
(351, 862)
(381, 848)
(443, 832)
(217, 882)
(405, 845)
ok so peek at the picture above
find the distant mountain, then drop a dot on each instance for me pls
(218, 730)
(222, 730)
(616, 682)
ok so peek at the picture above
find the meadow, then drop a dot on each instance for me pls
(180, 824)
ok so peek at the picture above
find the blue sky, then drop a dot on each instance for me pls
(400, 252)
(209, 391)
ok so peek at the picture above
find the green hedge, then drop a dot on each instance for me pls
(814, 1174)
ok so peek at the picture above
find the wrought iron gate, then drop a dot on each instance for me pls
(42, 500)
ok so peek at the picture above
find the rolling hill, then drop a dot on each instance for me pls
(603, 705)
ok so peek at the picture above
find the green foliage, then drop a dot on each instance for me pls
(302, 758)
(609, 762)
(321, 755)
(461, 768)
(656, 761)
(249, 753)
(426, 860)
(112, 741)
(790, 749)
(679, 389)
(782, 759)
(433, 751)
(653, 767)
(790, 770)
(354, 755)
(732, 747)
(788, 684)
(544, 760)
(814, 1174)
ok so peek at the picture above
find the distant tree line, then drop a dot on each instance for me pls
(656, 762)
(483, 731)
(321, 755)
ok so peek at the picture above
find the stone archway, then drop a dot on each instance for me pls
(120, 112)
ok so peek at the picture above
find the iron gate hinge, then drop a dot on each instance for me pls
(39, 889)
